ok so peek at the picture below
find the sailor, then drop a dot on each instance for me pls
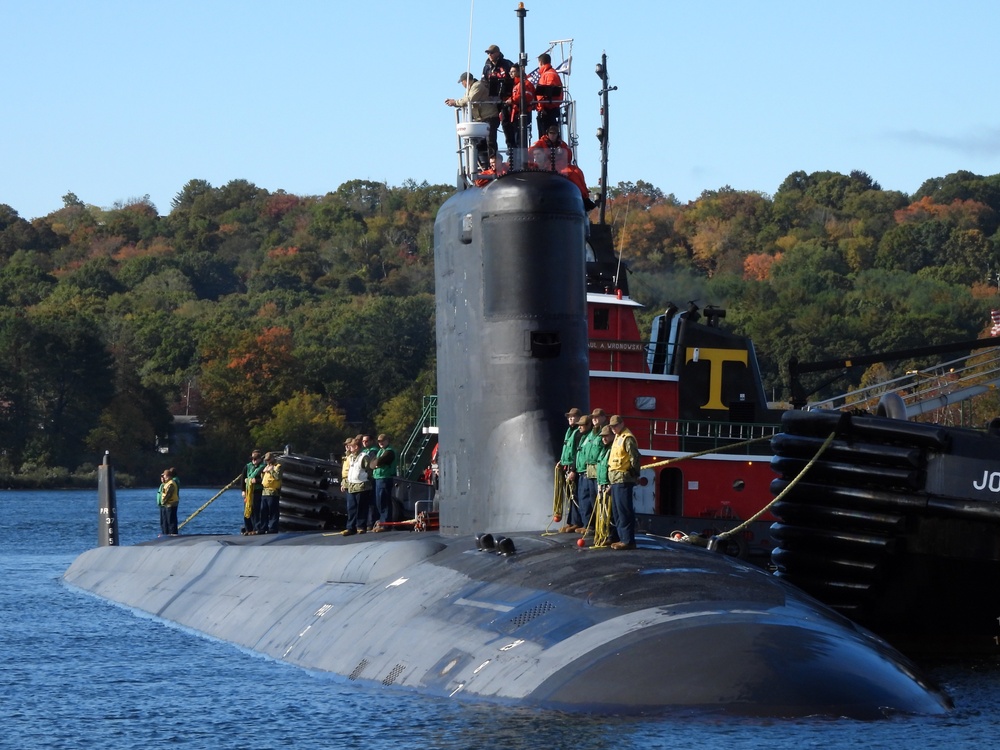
(603, 501)
(567, 459)
(552, 154)
(482, 110)
(384, 471)
(354, 487)
(270, 495)
(513, 104)
(623, 473)
(500, 83)
(168, 498)
(576, 521)
(498, 168)
(252, 488)
(548, 93)
(369, 449)
(590, 450)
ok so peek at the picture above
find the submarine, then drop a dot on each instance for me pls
(490, 607)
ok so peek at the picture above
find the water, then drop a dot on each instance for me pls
(79, 672)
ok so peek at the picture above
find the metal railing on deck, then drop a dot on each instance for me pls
(416, 454)
(692, 436)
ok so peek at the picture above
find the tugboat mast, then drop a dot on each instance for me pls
(602, 132)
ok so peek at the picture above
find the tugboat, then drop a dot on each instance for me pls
(896, 524)
(490, 608)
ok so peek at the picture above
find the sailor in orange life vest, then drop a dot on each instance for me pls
(552, 154)
(623, 473)
(513, 104)
(497, 168)
(548, 93)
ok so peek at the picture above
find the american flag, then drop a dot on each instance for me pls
(562, 69)
(995, 318)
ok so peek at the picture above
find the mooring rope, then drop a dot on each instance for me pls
(686, 456)
(602, 517)
(762, 511)
(212, 500)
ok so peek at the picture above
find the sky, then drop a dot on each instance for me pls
(118, 99)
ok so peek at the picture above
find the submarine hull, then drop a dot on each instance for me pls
(666, 627)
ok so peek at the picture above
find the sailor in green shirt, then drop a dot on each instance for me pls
(590, 447)
(568, 457)
(577, 475)
(252, 488)
(603, 496)
(385, 462)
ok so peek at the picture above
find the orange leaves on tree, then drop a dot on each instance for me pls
(960, 213)
(244, 383)
(757, 266)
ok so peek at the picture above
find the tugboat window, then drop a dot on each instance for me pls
(738, 485)
(601, 320)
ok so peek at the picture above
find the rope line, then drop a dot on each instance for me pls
(706, 453)
(212, 500)
(602, 517)
(762, 511)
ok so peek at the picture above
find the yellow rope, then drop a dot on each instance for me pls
(558, 491)
(706, 453)
(762, 511)
(563, 499)
(602, 517)
(212, 500)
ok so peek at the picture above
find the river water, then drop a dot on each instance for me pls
(79, 672)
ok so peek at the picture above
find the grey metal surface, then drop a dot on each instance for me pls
(554, 626)
(512, 347)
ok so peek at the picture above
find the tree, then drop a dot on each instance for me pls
(309, 423)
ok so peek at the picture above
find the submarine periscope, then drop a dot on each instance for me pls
(491, 608)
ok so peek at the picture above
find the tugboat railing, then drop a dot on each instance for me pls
(693, 436)
(927, 389)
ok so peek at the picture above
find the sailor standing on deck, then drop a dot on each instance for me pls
(548, 93)
(567, 460)
(512, 107)
(252, 488)
(384, 469)
(500, 83)
(590, 451)
(168, 497)
(369, 449)
(270, 495)
(623, 473)
(483, 110)
(354, 487)
(578, 521)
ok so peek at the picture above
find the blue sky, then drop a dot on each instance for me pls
(118, 99)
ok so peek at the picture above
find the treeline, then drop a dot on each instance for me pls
(280, 319)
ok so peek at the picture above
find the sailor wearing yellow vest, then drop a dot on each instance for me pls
(623, 473)
(270, 496)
